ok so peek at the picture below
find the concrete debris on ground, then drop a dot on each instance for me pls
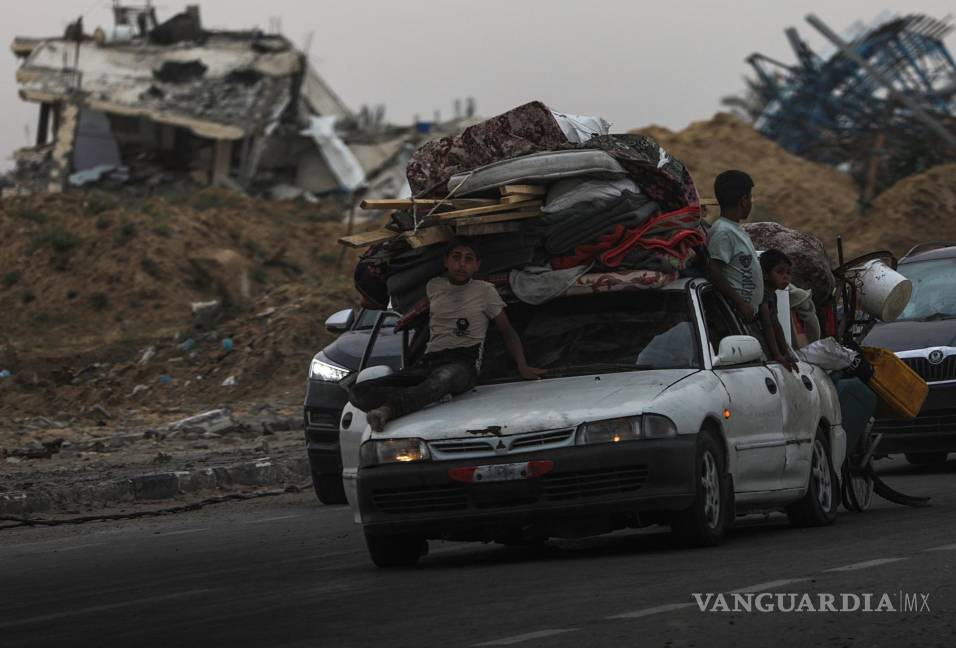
(53, 466)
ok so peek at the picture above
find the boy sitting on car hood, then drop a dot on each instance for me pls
(460, 309)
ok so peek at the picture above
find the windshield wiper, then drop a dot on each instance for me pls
(935, 317)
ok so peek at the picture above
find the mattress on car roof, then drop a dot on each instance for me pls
(546, 166)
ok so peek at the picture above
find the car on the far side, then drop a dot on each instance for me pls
(924, 337)
(331, 373)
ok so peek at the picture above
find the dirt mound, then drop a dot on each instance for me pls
(89, 282)
(917, 209)
(788, 190)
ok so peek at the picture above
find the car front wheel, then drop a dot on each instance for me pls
(818, 507)
(395, 550)
(702, 525)
(328, 488)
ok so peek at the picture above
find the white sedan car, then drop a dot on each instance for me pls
(657, 409)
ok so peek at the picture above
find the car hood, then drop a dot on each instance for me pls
(346, 350)
(538, 405)
(908, 335)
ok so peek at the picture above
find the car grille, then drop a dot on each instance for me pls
(553, 488)
(941, 420)
(946, 370)
(463, 446)
(421, 500)
(541, 439)
(489, 446)
(591, 483)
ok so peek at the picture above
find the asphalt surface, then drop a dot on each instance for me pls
(288, 571)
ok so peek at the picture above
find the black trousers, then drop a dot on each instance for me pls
(409, 390)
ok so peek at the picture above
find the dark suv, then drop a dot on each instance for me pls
(331, 372)
(924, 337)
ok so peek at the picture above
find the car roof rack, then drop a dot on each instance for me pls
(929, 245)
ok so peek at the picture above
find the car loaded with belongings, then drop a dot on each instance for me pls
(658, 406)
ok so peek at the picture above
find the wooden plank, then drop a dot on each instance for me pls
(490, 209)
(428, 236)
(427, 203)
(489, 228)
(523, 190)
(497, 218)
(368, 238)
(508, 200)
(708, 202)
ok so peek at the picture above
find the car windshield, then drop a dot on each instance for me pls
(367, 320)
(934, 289)
(602, 333)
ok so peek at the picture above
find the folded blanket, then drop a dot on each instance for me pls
(571, 192)
(588, 221)
(675, 233)
(538, 284)
(587, 252)
(615, 281)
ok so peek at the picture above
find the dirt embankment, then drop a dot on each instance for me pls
(915, 210)
(97, 298)
(788, 189)
(815, 197)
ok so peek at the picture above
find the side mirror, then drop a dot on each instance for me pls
(371, 373)
(340, 322)
(738, 349)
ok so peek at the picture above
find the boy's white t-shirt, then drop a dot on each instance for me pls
(459, 315)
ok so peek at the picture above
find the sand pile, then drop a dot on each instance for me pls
(789, 190)
(917, 209)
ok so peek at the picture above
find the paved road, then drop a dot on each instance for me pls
(290, 572)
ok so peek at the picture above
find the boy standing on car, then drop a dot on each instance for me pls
(460, 309)
(734, 268)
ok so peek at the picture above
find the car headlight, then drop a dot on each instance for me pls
(610, 431)
(324, 369)
(655, 426)
(385, 451)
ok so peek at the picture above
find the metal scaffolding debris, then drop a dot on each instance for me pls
(881, 103)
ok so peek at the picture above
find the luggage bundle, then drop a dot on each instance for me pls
(552, 203)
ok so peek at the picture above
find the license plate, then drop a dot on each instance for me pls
(501, 472)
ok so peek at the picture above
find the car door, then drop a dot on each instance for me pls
(752, 417)
(800, 414)
(800, 407)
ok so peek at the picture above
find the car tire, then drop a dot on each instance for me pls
(395, 550)
(925, 458)
(703, 523)
(818, 507)
(328, 488)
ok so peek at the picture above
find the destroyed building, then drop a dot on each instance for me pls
(148, 101)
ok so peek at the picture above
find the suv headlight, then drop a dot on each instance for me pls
(385, 451)
(610, 431)
(655, 426)
(324, 369)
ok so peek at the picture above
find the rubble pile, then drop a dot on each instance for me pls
(551, 202)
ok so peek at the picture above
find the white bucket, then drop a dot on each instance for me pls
(884, 293)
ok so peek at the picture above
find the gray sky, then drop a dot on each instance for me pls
(634, 62)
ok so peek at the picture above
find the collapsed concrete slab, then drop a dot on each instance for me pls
(173, 94)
